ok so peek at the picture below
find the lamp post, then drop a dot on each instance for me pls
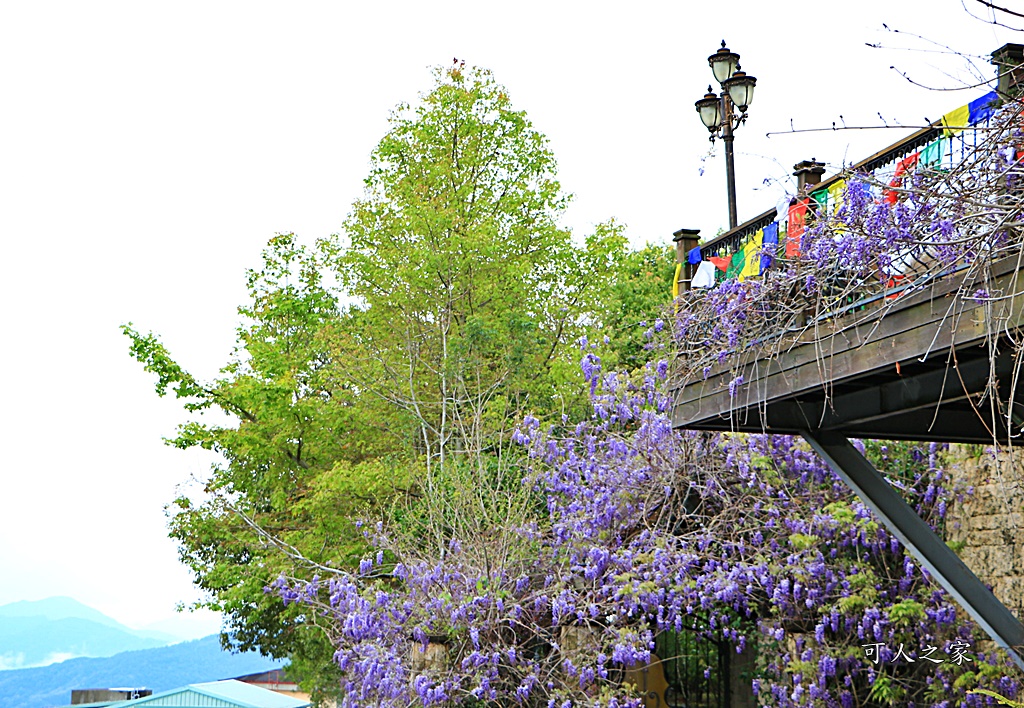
(722, 113)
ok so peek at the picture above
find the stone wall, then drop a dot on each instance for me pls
(990, 522)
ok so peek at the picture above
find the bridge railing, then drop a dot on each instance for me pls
(940, 145)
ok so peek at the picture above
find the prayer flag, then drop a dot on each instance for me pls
(797, 220)
(821, 197)
(933, 152)
(956, 120)
(721, 263)
(693, 257)
(836, 194)
(752, 256)
(782, 208)
(704, 277)
(735, 265)
(882, 176)
(675, 281)
(982, 108)
(770, 245)
(902, 167)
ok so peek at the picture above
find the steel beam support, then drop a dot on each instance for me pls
(929, 550)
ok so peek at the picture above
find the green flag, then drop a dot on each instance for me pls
(932, 154)
(739, 259)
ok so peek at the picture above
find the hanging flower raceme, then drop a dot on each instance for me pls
(635, 533)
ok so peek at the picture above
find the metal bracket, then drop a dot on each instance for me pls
(929, 550)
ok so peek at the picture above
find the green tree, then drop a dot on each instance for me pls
(462, 273)
(380, 373)
(300, 456)
(640, 293)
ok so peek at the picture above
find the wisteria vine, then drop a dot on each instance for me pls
(635, 530)
(870, 250)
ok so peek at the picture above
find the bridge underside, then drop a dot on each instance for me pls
(927, 366)
(945, 398)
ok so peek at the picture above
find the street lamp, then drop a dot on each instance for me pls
(722, 113)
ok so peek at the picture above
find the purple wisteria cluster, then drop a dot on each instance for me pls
(870, 245)
(636, 531)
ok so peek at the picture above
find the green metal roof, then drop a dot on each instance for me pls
(216, 694)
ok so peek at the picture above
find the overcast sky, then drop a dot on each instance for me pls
(149, 150)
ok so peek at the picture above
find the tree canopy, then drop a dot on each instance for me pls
(462, 500)
(628, 538)
(382, 369)
(468, 287)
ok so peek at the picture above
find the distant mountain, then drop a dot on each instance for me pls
(42, 632)
(56, 608)
(37, 641)
(157, 669)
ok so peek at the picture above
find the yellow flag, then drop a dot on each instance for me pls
(675, 281)
(954, 121)
(752, 254)
(836, 194)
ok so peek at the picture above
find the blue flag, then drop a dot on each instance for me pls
(981, 108)
(770, 245)
(693, 257)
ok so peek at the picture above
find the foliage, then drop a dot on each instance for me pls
(297, 457)
(385, 365)
(642, 531)
(467, 287)
(538, 564)
(644, 277)
(1001, 700)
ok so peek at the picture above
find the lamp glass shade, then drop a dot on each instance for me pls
(741, 89)
(723, 64)
(710, 111)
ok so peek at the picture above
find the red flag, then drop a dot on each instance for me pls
(902, 167)
(795, 229)
(721, 263)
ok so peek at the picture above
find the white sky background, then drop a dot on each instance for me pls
(148, 151)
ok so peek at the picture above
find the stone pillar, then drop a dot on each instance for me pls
(433, 659)
(808, 173)
(686, 240)
(1009, 61)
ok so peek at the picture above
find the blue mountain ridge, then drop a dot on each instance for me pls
(39, 632)
(157, 669)
(35, 641)
(55, 608)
